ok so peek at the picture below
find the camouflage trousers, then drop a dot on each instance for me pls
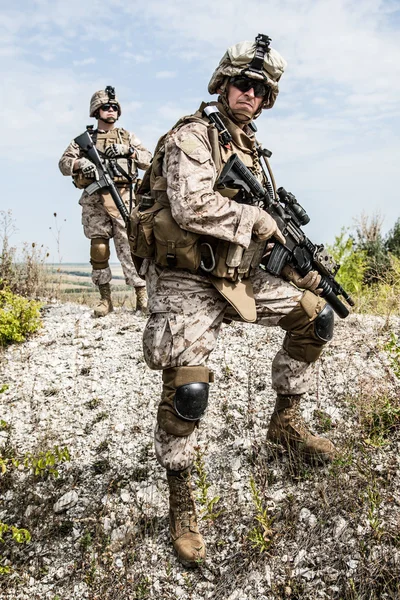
(98, 223)
(182, 330)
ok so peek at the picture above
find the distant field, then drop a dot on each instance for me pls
(73, 278)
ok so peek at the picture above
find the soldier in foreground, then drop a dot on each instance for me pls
(100, 218)
(205, 269)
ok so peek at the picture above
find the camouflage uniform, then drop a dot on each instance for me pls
(186, 309)
(188, 305)
(101, 219)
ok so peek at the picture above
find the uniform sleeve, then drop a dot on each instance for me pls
(143, 155)
(66, 162)
(195, 206)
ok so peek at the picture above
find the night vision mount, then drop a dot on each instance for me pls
(256, 65)
(111, 92)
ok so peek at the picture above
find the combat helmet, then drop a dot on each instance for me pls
(251, 59)
(102, 97)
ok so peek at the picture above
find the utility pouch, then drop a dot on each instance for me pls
(233, 262)
(227, 259)
(175, 247)
(140, 231)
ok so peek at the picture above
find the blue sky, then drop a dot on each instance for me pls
(334, 131)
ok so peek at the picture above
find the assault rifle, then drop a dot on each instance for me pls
(105, 179)
(298, 251)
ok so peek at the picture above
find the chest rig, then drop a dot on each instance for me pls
(153, 233)
(123, 170)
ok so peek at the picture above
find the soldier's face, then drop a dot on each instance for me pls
(108, 113)
(244, 102)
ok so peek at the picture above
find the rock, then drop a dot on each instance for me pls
(339, 527)
(67, 501)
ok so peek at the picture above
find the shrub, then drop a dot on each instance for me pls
(351, 260)
(18, 317)
(392, 243)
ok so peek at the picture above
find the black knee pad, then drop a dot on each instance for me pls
(324, 323)
(191, 400)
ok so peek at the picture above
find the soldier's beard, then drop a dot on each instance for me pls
(110, 120)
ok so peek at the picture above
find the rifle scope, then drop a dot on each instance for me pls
(289, 200)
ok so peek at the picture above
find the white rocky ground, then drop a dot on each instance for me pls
(100, 530)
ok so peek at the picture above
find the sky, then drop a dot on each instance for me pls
(333, 132)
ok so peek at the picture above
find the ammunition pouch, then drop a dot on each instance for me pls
(175, 247)
(234, 262)
(141, 231)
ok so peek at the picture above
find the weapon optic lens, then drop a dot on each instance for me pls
(300, 213)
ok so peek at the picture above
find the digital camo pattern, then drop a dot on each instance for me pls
(172, 452)
(97, 223)
(186, 316)
(191, 175)
(186, 309)
(187, 313)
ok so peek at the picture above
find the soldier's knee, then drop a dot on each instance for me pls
(185, 399)
(99, 253)
(309, 326)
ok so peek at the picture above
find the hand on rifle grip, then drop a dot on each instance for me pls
(310, 281)
(266, 227)
(88, 168)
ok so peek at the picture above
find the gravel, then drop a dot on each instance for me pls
(100, 529)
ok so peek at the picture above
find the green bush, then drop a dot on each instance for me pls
(352, 263)
(18, 317)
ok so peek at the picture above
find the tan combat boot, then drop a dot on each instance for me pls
(105, 305)
(287, 427)
(185, 536)
(141, 299)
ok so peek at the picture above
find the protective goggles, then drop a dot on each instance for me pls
(109, 106)
(244, 84)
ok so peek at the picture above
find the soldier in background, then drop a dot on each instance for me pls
(205, 269)
(100, 218)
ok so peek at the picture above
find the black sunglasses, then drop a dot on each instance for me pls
(244, 84)
(108, 106)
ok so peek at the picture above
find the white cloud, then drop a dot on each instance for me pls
(85, 61)
(332, 132)
(165, 74)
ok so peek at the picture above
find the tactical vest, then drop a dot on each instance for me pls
(153, 233)
(103, 139)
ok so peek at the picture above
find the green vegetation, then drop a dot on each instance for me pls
(18, 317)
(370, 265)
(260, 535)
